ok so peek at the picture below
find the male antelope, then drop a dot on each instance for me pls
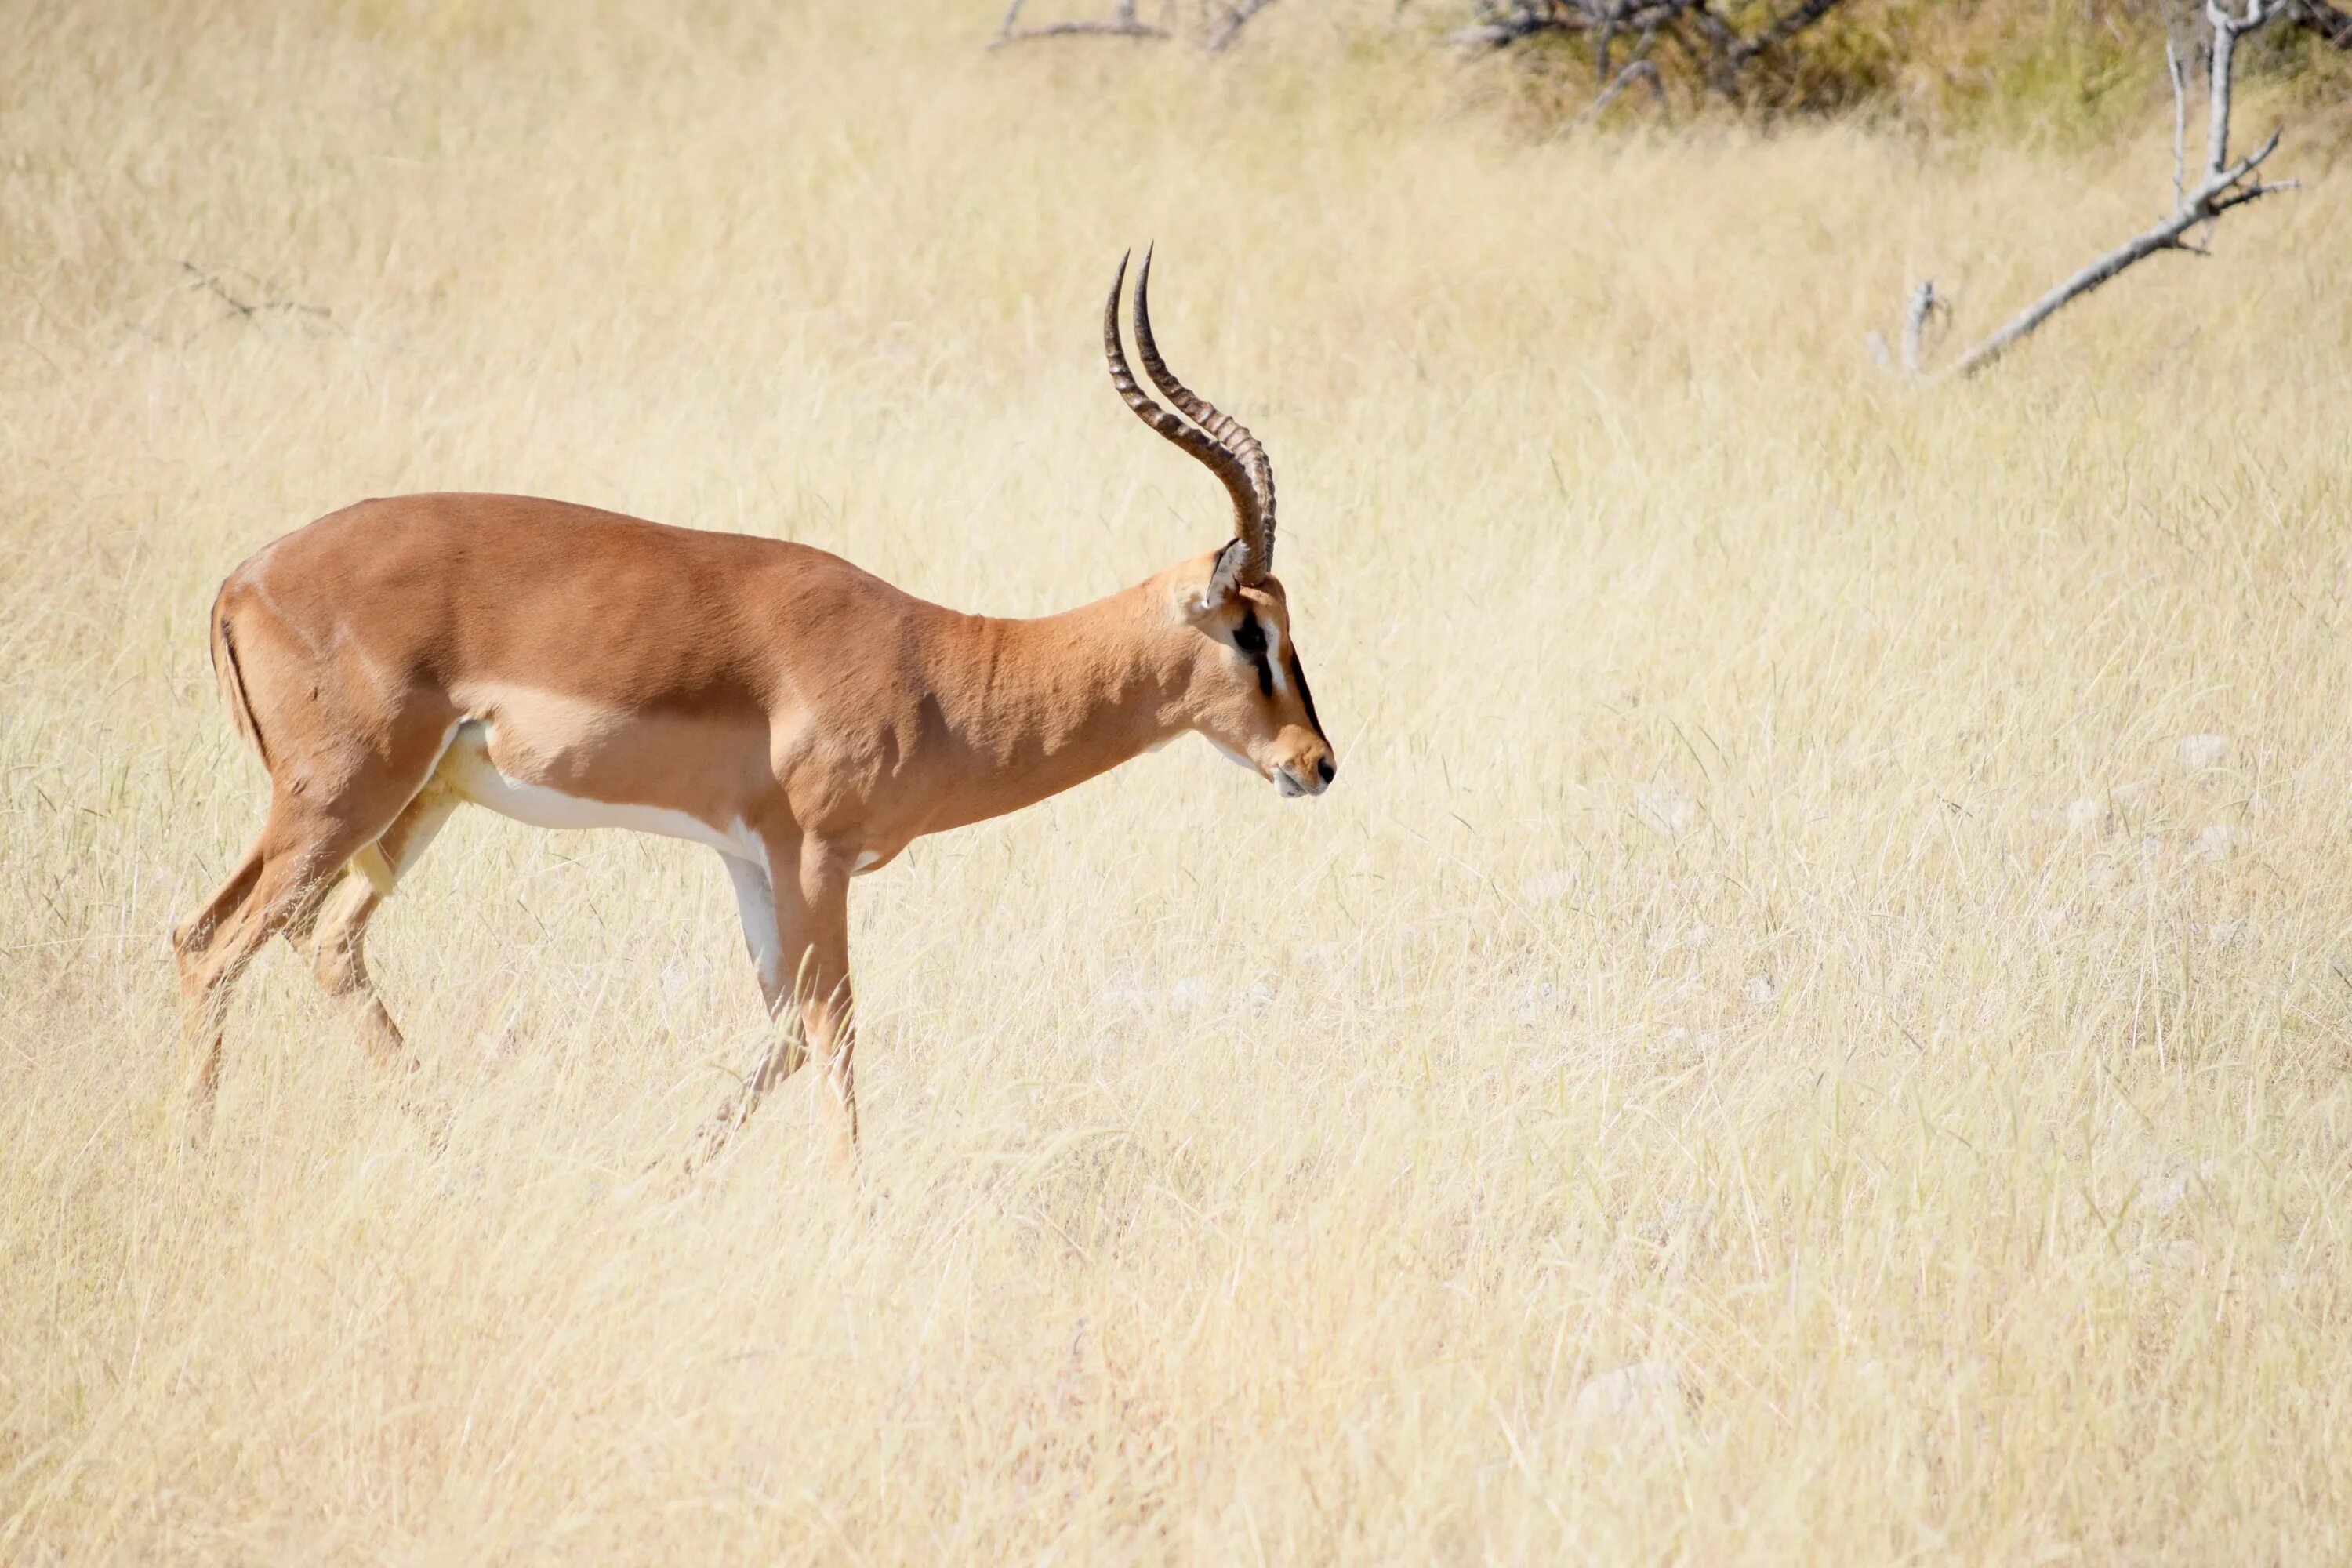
(570, 668)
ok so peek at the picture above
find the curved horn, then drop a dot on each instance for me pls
(1225, 465)
(1223, 428)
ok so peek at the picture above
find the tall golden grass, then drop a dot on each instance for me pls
(1814, 1025)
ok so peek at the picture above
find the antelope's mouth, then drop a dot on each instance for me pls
(1290, 785)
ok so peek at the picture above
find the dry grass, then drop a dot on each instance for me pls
(1769, 930)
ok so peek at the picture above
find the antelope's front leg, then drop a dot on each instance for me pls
(828, 1010)
(796, 927)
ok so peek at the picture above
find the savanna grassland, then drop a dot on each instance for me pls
(1814, 1025)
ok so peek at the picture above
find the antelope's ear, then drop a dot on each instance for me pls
(1224, 576)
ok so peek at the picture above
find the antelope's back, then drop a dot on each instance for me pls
(450, 589)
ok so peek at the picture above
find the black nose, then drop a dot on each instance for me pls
(1327, 769)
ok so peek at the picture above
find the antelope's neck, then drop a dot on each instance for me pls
(1039, 706)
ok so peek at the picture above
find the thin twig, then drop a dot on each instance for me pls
(1525, 21)
(1083, 29)
(1781, 31)
(1498, 27)
(1237, 16)
(238, 308)
(1635, 70)
(2330, 23)
(1123, 25)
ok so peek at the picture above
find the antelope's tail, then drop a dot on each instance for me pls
(232, 677)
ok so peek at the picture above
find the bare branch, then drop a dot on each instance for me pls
(1081, 29)
(1696, 27)
(1237, 16)
(1123, 25)
(1523, 21)
(1781, 31)
(1714, 61)
(2225, 186)
(2330, 21)
(1635, 70)
(245, 309)
(2209, 200)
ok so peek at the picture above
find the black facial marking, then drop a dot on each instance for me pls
(1250, 637)
(1299, 674)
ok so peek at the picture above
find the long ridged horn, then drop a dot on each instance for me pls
(1229, 467)
(1223, 428)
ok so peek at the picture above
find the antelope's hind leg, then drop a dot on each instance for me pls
(278, 885)
(331, 932)
(332, 795)
(204, 980)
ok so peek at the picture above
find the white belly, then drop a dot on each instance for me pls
(466, 768)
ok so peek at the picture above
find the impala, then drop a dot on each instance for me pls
(570, 668)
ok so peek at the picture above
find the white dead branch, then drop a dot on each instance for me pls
(2225, 184)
